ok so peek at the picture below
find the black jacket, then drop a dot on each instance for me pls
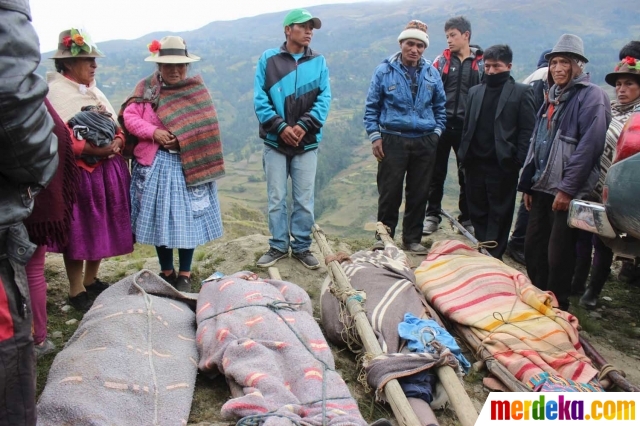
(28, 148)
(514, 122)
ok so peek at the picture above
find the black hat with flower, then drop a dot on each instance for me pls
(74, 43)
(629, 66)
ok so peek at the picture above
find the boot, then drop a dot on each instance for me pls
(580, 275)
(589, 299)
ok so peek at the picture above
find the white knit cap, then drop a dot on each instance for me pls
(417, 30)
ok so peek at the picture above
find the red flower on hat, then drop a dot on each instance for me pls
(154, 46)
(630, 60)
(66, 40)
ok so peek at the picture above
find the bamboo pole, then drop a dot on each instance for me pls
(399, 404)
(464, 408)
(464, 231)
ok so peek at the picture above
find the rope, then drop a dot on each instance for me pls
(608, 368)
(340, 257)
(276, 306)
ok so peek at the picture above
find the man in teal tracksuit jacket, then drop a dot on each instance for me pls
(291, 100)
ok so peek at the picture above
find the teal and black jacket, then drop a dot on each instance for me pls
(287, 93)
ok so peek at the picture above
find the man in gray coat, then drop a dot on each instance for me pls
(562, 164)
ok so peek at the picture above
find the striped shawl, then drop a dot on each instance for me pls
(513, 319)
(186, 110)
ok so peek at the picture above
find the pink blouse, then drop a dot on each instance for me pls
(141, 120)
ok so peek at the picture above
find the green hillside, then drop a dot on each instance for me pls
(355, 38)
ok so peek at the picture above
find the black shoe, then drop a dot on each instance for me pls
(378, 245)
(307, 259)
(95, 288)
(81, 302)
(270, 258)
(515, 254)
(589, 299)
(183, 283)
(171, 278)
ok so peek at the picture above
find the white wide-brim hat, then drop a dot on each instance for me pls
(171, 50)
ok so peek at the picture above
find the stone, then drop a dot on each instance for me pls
(607, 298)
(66, 308)
(595, 315)
(71, 321)
(56, 335)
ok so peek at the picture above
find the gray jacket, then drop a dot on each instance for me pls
(28, 148)
(573, 165)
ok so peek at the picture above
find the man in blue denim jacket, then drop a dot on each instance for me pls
(404, 118)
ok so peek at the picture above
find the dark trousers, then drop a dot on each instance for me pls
(412, 158)
(17, 357)
(450, 139)
(520, 229)
(491, 197)
(550, 248)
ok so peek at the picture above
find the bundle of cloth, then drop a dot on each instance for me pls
(261, 335)
(385, 284)
(93, 124)
(132, 360)
(513, 319)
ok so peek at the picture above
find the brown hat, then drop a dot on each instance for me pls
(628, 66)
(76, 43)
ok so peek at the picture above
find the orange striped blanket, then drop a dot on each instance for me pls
(513, 318)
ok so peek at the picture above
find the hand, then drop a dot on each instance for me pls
(561, 202)
(173, 144)
(162, 137)
(528, 199)
(377, 149)
(289, 136)
(106, 151)
(299, 131)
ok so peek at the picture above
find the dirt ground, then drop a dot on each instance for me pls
(612, 329)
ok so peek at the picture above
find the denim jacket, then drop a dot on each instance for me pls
(390, 107)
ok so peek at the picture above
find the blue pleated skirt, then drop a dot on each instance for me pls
(165, 212)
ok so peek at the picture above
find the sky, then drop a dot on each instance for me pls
(130, 19)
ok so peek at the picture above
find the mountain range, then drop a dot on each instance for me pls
(355, 38)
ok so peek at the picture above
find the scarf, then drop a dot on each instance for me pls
(546, 132)
(53, 207)
(186, 110)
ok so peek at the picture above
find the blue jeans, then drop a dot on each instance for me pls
(302, 169)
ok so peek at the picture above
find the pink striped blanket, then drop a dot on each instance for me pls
(513, 318)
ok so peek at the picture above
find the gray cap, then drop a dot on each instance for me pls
(568, 44)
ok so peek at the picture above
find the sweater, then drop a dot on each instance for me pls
(142, 121)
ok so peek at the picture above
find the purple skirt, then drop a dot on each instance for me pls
(101, 224)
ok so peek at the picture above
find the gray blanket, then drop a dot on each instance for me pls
(132, 360)
(262, 336)
(387, 288)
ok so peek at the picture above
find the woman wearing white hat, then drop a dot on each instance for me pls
(177, 160)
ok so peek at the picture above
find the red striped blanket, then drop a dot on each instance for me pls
(513, 318)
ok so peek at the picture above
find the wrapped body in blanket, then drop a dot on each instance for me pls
(514, 320)
(385, 283)
(132, 360)
(262, 336)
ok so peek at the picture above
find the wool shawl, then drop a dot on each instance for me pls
(620, 113)
(186, 110)
(53, 207)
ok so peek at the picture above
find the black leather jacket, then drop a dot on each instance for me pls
(28, 148)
